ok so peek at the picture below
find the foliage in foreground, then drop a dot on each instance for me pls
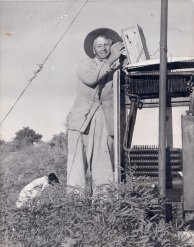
(19, 167)
(127, 215)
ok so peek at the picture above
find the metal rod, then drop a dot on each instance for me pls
(190, 112)
(162, 102)
(156, 73)
(131, 118)
(116, 107)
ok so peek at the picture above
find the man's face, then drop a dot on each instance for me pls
(102, 48)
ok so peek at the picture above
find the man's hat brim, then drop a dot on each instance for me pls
(89, 40)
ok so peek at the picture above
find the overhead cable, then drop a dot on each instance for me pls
(52, 31)
(43, 63)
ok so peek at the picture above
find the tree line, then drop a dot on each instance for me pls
(28, 137)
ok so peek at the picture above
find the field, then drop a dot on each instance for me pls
(124, 215)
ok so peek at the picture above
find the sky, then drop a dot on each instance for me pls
(30, 30)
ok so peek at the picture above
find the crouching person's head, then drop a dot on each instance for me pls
(52, 179)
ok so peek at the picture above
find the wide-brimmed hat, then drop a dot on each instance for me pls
(89, 40)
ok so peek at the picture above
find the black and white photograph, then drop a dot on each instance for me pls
(97, 123)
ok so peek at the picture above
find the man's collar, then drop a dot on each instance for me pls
(97, 60)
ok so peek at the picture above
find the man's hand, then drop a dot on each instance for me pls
(116, 50)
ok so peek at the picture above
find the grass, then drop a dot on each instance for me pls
(123, 215)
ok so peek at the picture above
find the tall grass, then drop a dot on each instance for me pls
(123, 215)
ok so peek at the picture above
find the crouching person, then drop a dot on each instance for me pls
(35, 189)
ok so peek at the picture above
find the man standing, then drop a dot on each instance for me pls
(90, 121)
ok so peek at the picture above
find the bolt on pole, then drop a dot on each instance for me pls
(162, 102)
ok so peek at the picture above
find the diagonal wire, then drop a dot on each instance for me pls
(65, 32)
(52, 31)
(42, 64)
(30, 81)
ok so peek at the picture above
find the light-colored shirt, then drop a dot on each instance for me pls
(32, 190)
(94, 89)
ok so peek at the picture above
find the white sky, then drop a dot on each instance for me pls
(30, 29)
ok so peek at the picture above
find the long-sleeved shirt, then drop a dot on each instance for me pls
(94, 89)
(32, 190)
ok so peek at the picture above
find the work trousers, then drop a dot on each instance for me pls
(90, 153)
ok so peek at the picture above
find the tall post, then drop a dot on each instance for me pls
(117, 141)
(162, 102)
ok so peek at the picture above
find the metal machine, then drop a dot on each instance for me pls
(141, 89)
(138, 88)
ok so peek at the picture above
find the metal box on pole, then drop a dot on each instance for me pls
(135, 44)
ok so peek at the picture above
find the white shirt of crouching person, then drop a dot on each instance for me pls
(35, 189)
